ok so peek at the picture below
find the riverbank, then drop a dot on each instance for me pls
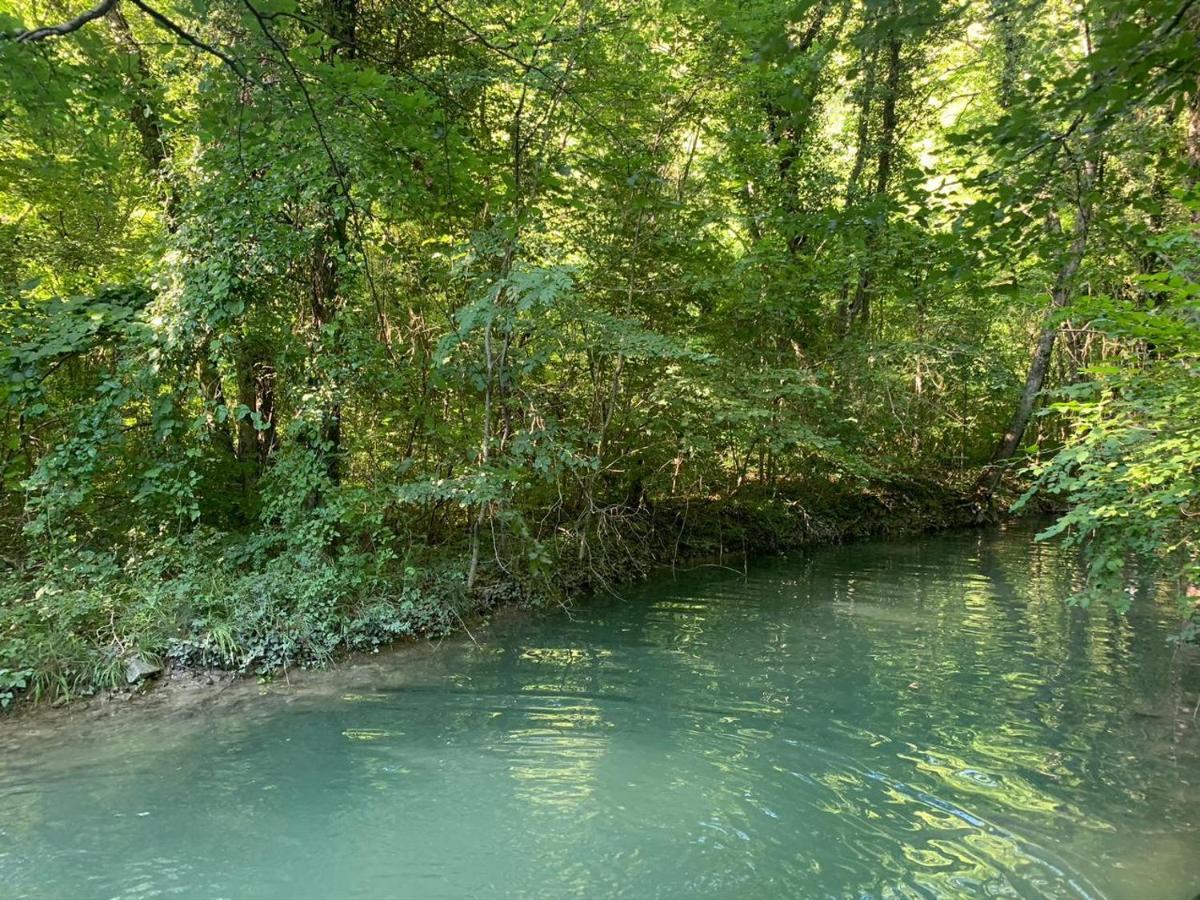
(181, 693)
(797, 725)
(205, 615)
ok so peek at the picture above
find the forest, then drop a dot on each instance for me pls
(324, 323)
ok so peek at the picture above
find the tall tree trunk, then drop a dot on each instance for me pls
(256, 392)
(859, 310)
(325, 304)
(1012, 44)
(1060, 297)
(1193, 142)
(332, 245)
(144, 112)
(788, 130)
(866, 98)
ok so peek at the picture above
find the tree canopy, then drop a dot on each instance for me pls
(326, 321)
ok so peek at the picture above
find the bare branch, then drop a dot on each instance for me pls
(106, 6)
(163, 22)
(39, 34)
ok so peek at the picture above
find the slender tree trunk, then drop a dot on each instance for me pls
(332, 246)
(789, 130)
(325, 302)
(256, 392)
(144, 113)
(859, 310)
(1193, 142)
(145, 102)
(1060, 297)
(863, 127)
(1012, 44)
(866, 98)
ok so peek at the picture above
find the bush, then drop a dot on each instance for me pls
(211, 601)
(1129, 470)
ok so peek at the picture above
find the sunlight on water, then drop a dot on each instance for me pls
(916, 719)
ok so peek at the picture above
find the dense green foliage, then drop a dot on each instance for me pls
(329, 321)
(1130, 467)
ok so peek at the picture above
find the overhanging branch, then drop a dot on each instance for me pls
(188, 38)
(47, 31)
(106, 6)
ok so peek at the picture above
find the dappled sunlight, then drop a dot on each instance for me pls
(710, 733)
(418, 421)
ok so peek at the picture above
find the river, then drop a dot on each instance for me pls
(917, 718)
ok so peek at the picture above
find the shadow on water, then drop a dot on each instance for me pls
(915, 719)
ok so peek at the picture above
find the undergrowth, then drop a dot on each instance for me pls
(209, 600)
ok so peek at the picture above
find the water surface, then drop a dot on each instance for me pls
(896, 719)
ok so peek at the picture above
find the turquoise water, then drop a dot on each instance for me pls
(911, 719)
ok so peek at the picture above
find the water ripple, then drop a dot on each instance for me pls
(922, 719)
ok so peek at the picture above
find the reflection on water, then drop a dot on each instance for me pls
(885, 720)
